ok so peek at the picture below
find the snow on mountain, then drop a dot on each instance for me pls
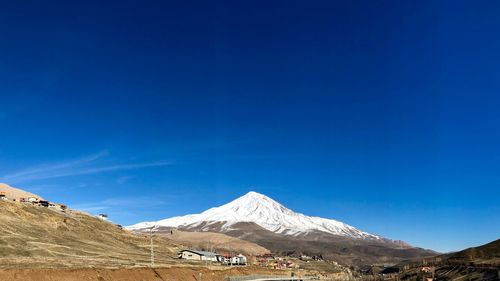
(263, 211)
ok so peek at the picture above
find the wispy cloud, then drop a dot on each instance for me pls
(75, 168)
(54, 167)
(101, 170)
(124, 179)
(118, 203)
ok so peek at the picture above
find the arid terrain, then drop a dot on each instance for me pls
(488, 254)
(133, 274)
(212, 241)
(40, 237)
(16, 193)
(475, 263)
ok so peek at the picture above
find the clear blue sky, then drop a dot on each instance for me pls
(381, 114)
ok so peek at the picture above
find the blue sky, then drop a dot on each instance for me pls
(381, 114)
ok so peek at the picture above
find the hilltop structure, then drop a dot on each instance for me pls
(17, 194)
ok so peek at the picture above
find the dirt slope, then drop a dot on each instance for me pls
(213, 241)
(35, 237)
(485, 254)
(480, 263)
(16, 193)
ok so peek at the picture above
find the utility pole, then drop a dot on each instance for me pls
(152, 247)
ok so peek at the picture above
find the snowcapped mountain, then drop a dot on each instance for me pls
(259, 219)
(263, 211)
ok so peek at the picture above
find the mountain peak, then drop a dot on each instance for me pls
(254, 195)
(260, 209)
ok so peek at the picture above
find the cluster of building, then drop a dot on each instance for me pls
(310, 258)
(213, 257)
(266, 260)
(35, 201)
(275, 262)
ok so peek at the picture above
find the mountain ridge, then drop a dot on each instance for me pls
(265, 212)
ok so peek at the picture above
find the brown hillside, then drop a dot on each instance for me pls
(213, 241)
(476, 263)
(16, 193)
(485, 254)
(33, 236)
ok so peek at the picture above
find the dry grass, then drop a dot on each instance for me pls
(16, 193)
(214, 241)
(38, 237)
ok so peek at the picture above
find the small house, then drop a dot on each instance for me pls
(58, 207)
(305, 258)
(198, 255)
(239, 260)
(43, 203)
(103, 217)
(290, 264)
(224, 259)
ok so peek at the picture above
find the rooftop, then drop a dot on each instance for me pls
(202, 253)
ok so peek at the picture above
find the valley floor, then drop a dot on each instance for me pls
(133, 274)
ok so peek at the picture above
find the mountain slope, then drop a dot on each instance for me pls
(33, 236)
(265, 212)
(211, 241)
(480, 263)
(257, 218)
(484, 254)
(16, 193)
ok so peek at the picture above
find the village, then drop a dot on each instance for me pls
(313, 267)
(35, 201)
(268, 260)
(207, 256)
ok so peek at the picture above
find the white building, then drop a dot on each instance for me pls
(198, 255)
(103, 217)
(224, 260)
(239, 260)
